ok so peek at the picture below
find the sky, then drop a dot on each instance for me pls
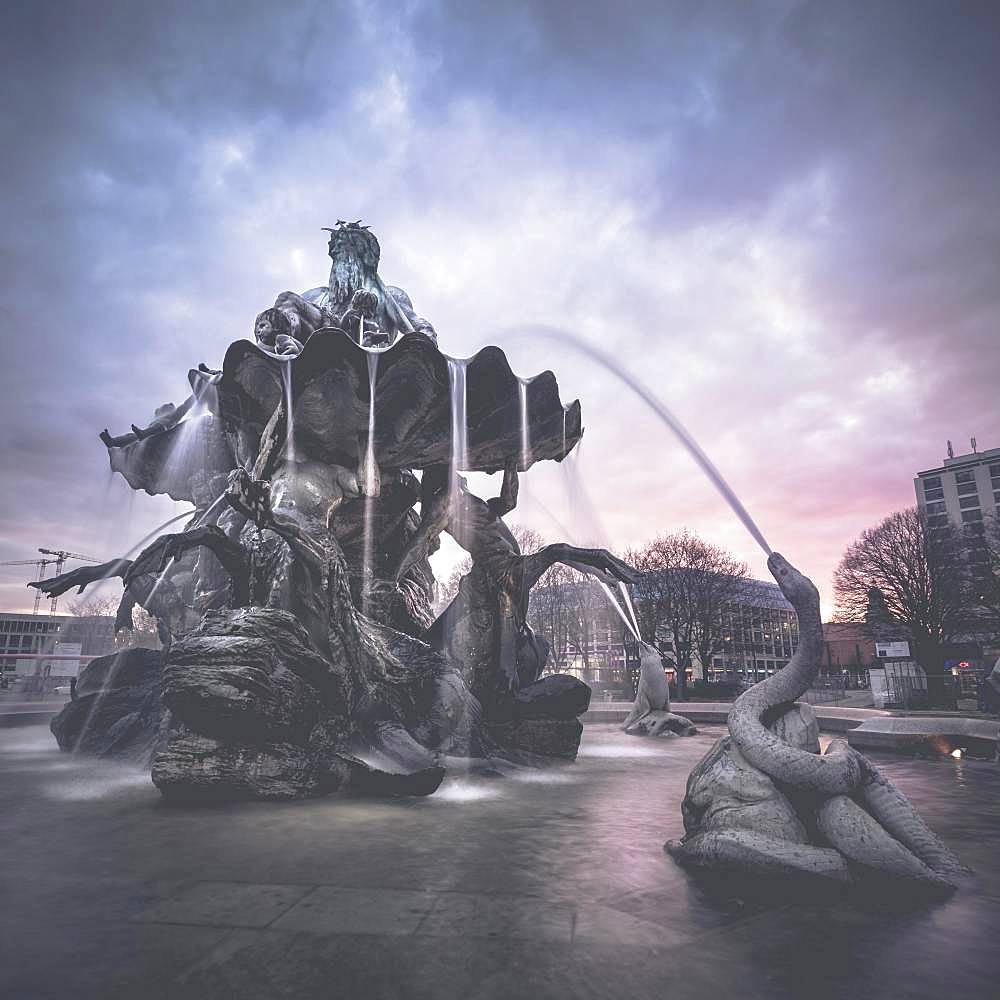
(783, 217)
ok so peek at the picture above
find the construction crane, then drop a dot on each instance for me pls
(61, 555)
(41, 564)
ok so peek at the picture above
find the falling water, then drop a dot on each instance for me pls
(610, 594)
(586, 520)
(173, 559)
(679, 430)
(459, 417)
(627, 601)
(459, 430)
(564, 432)
(286, 377)
(109, 680)
(370, 484)
(522, 395)
(135, 548)
(629, 620)
(369, 487)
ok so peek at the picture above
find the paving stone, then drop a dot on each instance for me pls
(596, 924)
(226, 904)
(334, 910)
(459, 914)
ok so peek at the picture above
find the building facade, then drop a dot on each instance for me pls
(963, 492)
(47, 645)
(848, 646)
(587, 636)
(761, 634)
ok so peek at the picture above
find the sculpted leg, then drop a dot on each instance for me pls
(860, 837)
(757, 852)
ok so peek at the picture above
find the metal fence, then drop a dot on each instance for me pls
(826, 689)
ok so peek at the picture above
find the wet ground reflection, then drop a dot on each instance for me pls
(580, 842)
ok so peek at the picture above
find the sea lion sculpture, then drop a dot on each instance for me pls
(651, 713)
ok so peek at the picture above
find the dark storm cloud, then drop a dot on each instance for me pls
(803, 194)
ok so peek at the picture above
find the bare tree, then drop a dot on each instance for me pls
(585, 605)
(143, 634)
(987, 582)
(902, 576)
(445, 590)
(686, 587)
(550, 612)
(718, 583)
(528, 540)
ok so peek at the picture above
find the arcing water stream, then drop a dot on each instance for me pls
(675, 426)
(668, 418)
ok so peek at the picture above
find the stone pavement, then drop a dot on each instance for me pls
(549, 884)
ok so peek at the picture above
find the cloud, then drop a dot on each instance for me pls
(781, 216)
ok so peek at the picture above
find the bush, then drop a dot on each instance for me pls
(714, 690)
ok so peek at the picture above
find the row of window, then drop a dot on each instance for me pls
(14, 643)
(965, 485)
(42, 625)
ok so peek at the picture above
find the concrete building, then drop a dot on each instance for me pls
(847, 646)
(48, 646)
(760, 636)
(964, 492)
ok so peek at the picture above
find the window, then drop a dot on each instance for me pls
(934, 494)
(965, 477)
(938, 521)
(966, 488)
(969, 516)
(965, 502)
(936, 508)
(933, 482)
(995, 469)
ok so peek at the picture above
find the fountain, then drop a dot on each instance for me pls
(324, 460)
(764, 801)
(300, 653)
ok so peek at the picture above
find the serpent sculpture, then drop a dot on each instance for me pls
(764, 800)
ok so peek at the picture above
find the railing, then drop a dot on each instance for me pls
(825, 689)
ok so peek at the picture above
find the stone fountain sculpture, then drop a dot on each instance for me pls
(300, 654)
(765, 801)
(651, 715)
